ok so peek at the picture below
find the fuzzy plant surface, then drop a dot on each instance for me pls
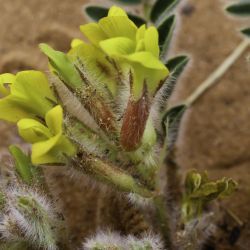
(102, 111)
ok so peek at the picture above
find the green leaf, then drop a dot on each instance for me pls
(97, 12)
(171, 122)
(128, 1)
(206, 192)
(161, 9)
(242, 9)
(193, 181)
(246, 32)
(62, 66)
(22, 164)
(176, 65)
(165, 30)
(226, 187)
(25, 169)
(199, 190)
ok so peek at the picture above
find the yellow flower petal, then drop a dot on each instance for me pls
(147, 60)
(116, 11)
(117, 26)
(49, 145)
(12, 111)
(33, 131)
(148, 76)
(151, 41)
(52, 150)
(75, 42)
(54, 120)
(40, 151)
(93, 32)
(140, 46)
(6, 78)
(31, 89)
(117, 46)
(30, 96)
(140, 33)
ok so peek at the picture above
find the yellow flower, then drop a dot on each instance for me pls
(25, 95)
(49, 145)
(119, 38)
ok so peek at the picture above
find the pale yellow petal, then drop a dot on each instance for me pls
(147, 60)
(6, 78)
(54, 119)
(116, 11)
(93, 32)
(151, 41)
(117, 26)
(140, 33)
(118, 46)
(75, 42)
(40, 151)
(32, 131)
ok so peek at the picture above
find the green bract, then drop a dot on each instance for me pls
(49, 145)
(62, 66)
(119, 38)
(26, 95)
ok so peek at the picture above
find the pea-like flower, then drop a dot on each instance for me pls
(49, 144)
(119, 38)
(25, 95)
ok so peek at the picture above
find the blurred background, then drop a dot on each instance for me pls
(214, 133)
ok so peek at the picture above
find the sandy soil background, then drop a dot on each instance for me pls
(215, 132)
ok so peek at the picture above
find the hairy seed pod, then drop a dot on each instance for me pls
(134, 121)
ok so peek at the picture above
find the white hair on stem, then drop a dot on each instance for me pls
(104, 240)
(32, 216)
(73, 105)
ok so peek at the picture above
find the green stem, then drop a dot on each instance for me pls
(110, 175)
(218, 73)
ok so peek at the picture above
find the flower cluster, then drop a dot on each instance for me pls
(137, 50)
(29, 102)
(113, 79)
(119, 38)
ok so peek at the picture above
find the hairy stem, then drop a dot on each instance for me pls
(218, 73)
(173, 186)
(160, 202)
(110, 174)
(163, 219)
(21, 245)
